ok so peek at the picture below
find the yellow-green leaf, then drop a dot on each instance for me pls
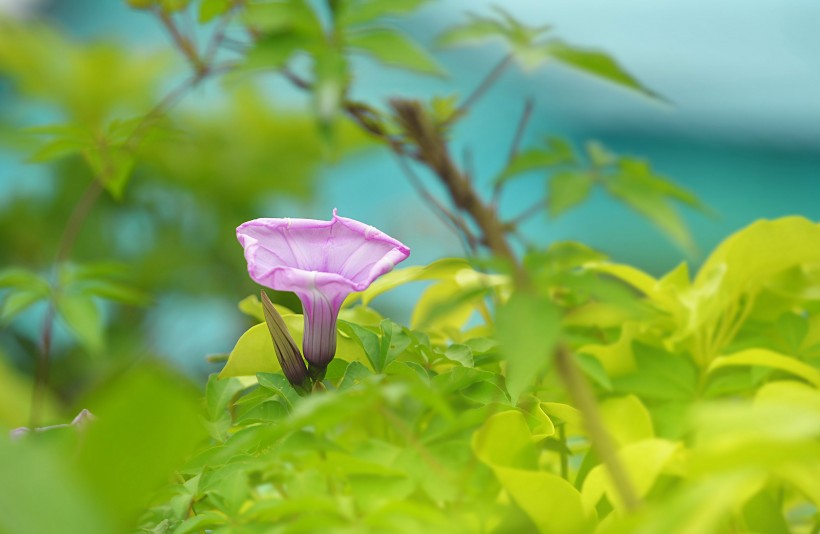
(527, 327)
(566, 190)
(643, 462)
(598, 64)
(768, 358)
(627, 419)
(392, 48)
(254, 352)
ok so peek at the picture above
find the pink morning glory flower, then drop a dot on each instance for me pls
(322, 262)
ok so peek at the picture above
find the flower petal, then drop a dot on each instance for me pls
(322, 262)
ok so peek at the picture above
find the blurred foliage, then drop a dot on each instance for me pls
(707, 386)
(462, 427)
(710, 397)
(177, 181)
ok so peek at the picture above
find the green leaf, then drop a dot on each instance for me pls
(206, 520)
(273, 52)
(253, 353)
(392, 343)
(767, 358)
(291, 16)
(747, 259)
(641, 171)
(476, 30)
(520, 38)
(566, 190)
(505, 444)
(42, 474)
(659, 375)
(553, 504)
(645, 194)
(59, 148)
(617, 357)
(210, 9)
(527, 327)
(174, 5)
(598, 64)
(219, 396)
(762, 513)
(599, 156)
(594, 370)
(355, 12)
(462, 354)
(277, 383)
(438, 270)
(627, 419)
(148, 421)
(459, 378)
(504, 440)
(17, 302)
(533, 159)
(563, 412)
(369, 342)
(355, 374)
(115, 292)
(793, 329)
(112, 166)
(392, 48)
(83, 318)
(23, 280)
(643, 461)
(252, 307)
(141, 4)
(447, 305)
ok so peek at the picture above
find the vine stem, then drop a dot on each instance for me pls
(582, 395)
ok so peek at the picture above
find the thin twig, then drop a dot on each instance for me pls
(526, 114)
(434, 152)
(170, 100)
(562, 436)
(295, 79)
(441, 211)
(235, 45)
(42, 368)
(218, 36)
(482, 88)
(469, 165)
(535, 209)
(182, 42)
(76, 219)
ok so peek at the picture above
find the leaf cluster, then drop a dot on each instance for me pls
(708, 388)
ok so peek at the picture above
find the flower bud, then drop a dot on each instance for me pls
(290, 359)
